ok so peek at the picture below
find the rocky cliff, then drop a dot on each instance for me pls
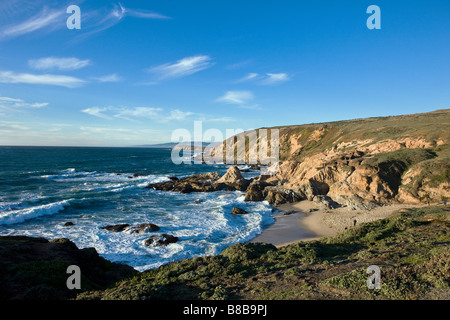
(361, 162)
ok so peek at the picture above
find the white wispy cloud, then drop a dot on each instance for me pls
(183, 67)
(97, 112)
(10, 126)
(48, 19)
(249, 77)
(53, 19)
(275, 78)
(9, 105)
(108, 78)
(19, 103)
(266, 79)
(52, 63)
(107, 17)
(139, 114)
(40, 79)
(236, 97)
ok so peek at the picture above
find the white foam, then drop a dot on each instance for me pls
(19, 216)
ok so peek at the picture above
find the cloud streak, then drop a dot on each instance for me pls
(53, 19)
(108, 78)
(267, 79)
(42, 79)
(8, 104)
(49, 19)
(55, 63)
(97, 112)
(182, 68)
(138, 114)
(236, 97)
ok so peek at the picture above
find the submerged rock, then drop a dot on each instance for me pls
(236, 210)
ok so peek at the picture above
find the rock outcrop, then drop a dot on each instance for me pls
(205, 182)
(278, 195)
(36, 269)
(233, 180)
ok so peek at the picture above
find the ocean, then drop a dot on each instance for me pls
(42, 188)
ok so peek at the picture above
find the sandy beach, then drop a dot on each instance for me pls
(307, 220)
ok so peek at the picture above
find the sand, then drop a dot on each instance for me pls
(307, 220)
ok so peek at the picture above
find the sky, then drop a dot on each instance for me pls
(135, 71)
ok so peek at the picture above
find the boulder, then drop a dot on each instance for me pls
(307, 190)
(255, 191)
(160, 240)
(142, 228)
(236, 210)
(326, 201)
(116, 227)
(68, 224)
(277, 195)
(233, 180)
(355, 202)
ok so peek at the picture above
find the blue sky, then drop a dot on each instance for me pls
(136, 70)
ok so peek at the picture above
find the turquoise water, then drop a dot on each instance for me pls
(41, 188)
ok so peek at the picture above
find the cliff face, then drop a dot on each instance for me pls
(401, 158)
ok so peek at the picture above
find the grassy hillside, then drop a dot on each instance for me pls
(313, 138)
(411, 249)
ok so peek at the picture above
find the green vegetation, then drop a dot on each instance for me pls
(411, 248)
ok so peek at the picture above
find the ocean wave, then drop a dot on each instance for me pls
(19, 216)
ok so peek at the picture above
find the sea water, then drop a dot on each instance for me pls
(42, 188)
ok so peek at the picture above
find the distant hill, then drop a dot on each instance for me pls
(170, 145)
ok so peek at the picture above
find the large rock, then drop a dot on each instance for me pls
(116, 227)
(160, 240)
(355, 202)
(255, 191)
(36, 269)
(277, 195)
(233, 180)
(236, 210)
(142, 228)
(307, 190)
(326, 201)
(204, 182)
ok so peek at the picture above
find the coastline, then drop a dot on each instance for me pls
(309, 221)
